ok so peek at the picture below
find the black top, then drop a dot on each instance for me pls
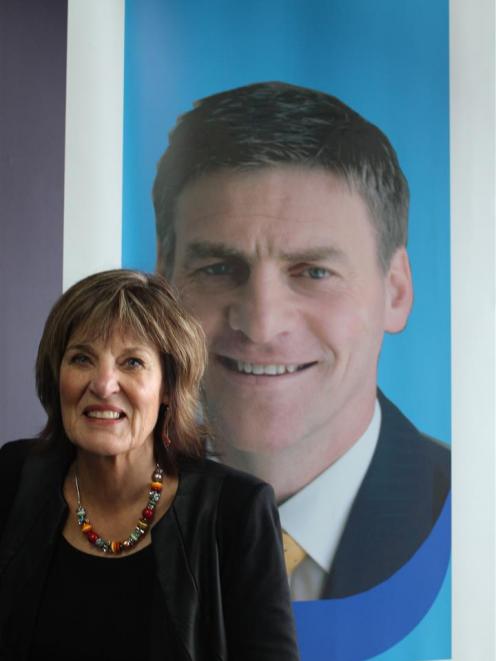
(95, 607)
(219, 590)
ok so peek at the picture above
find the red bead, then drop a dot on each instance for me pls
(92, 536)
(148, 514)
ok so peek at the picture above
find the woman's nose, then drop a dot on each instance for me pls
(104, 382)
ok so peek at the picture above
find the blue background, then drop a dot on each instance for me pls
(389, 60)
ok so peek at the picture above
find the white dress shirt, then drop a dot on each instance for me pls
(316, 516)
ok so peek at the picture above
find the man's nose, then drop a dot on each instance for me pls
(104, 381)
(262, 308)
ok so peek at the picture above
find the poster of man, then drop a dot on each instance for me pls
(282, 219)
(257, 257)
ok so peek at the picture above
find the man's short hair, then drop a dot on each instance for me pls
(273, 123)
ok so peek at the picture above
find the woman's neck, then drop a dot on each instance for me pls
(115, 481)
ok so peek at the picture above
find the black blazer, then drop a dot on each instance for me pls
(395, 509)
(218, 556)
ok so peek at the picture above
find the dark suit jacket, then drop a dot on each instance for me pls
(397, 505)
(218, 555)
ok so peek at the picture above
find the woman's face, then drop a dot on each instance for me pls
(110, 393)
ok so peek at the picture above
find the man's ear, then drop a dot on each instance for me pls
(399, 292)
(159, 264)
(163, 263)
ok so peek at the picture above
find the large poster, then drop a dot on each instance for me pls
(389, 62)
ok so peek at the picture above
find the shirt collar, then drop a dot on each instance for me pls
(317, 514)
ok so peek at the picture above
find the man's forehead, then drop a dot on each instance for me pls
(280, 208)
(270, 191)
(294, 193)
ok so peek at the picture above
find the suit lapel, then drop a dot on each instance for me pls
(391, 514)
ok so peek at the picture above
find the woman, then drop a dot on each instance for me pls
(118, 538)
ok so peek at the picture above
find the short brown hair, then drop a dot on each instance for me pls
(144, 305)
(270, 124)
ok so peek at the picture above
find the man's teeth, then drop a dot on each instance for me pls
(271, 370)
(104, 415)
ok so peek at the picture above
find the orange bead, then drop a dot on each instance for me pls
(156, 486)
(86, 527)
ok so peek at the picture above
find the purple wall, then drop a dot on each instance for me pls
(33, 44)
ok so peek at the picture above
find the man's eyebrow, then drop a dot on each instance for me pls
(314, 254)
(203, 249)
(206, 249)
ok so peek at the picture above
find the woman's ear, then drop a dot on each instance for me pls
(164, 394)
(399, 292)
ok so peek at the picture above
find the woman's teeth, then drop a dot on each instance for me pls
(104, 415)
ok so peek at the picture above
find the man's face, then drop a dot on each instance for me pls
(280, 266)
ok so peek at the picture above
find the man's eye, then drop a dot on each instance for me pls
(229, 272)
(221, 268)
(316, 273)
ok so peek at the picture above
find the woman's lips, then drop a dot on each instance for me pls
(103, 413)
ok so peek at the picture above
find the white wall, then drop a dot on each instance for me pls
(472, 58)
(94, 125)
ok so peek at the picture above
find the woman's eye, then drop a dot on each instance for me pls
(79, 359)
(134, 363)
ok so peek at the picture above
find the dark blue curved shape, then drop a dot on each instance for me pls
(364, 625)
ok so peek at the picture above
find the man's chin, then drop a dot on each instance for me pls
(261, 425)
(255, 438)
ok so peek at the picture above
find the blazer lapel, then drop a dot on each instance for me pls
(30, 535)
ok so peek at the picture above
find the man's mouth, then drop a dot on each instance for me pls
(259, 369)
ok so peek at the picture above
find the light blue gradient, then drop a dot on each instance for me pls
(387, 59)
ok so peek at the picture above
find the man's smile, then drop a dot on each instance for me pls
(263, 369)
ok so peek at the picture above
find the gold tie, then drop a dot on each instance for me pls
(294, 554)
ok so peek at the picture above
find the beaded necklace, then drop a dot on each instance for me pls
(115, 547)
